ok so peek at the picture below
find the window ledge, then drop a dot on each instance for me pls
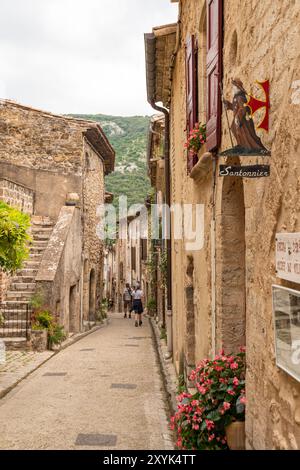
(202, 167)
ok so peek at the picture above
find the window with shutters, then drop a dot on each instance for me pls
(191, 92)
(214, 72)
(144, 249)
(133, 258)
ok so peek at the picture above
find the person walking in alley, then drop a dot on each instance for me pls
(137, 305)
(127, 298)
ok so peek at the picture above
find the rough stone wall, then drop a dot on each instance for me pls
(262, 42)
(184, 189)
(61, 270)
(17, 196)
(35, 139)
(93, 197)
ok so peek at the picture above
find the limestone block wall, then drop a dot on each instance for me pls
(35, 139)
(60, 273)
(261, 42)
(185, 190)
(17, 196)
(93, 197)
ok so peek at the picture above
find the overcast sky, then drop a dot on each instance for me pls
(78, 56)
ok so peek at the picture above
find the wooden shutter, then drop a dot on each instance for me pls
(214, 72)
(191, 90)
(143, 249)
(133, 258)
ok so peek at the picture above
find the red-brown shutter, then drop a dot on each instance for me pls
(191, 89)
(214, 73)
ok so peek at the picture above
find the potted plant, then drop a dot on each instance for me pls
(213, 417)
(197, 137)
(39, 330)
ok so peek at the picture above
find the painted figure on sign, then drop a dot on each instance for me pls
(242, 125)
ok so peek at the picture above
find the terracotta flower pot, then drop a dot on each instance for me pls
(235, 434)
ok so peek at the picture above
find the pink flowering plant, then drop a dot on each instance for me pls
(197, 138)
(202, 417)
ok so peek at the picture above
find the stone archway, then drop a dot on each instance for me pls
(230, 268)
(92, 296)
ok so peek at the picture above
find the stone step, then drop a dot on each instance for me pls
(37, 250)
(19, 295)
(26, 272)
(41, 236)
(35, 256)
(41, 220)
(41, 229)
(13, 332)
(15, 286)
(15, 344)
(22, 279)
(15, 315)
(14, 304)
(15, 323)
(31, 264)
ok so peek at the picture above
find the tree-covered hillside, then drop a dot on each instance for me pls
(128, 136)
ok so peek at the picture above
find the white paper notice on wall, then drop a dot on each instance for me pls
(288, 256)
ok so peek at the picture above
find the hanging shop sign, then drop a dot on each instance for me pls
(288, 256)
(242, 128)
(286, 317)
(245, 171)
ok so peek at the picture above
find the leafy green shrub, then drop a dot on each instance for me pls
(151, 305)
(14, 238)
(43, 321)
(56, 334)
(163, 333)
(1, 319)
(37, 301)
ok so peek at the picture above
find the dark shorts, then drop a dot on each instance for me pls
(137, 306)
(127, 303)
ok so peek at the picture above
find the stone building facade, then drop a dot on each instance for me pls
(222, 296)
(53, 167)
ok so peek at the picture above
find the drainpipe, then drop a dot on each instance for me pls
(213, 261)
(168, 244)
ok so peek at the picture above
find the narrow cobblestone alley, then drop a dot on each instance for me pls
(103, 392)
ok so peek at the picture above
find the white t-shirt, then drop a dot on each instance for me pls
(127, 294)
(138, 294)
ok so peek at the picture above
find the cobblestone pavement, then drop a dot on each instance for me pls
(103, 392)
(18, 364)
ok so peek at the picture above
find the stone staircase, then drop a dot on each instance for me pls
(15, 308)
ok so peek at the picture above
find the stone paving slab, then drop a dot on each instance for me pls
(18, 365)
(79, 409)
